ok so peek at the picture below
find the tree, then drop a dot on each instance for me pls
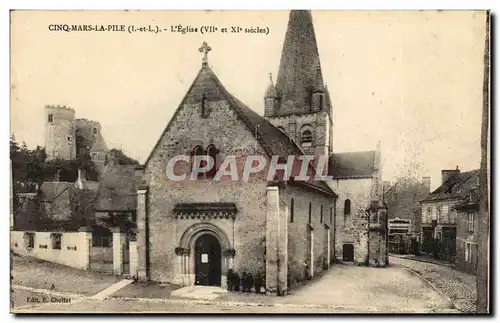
(121, 158)
(122, 220)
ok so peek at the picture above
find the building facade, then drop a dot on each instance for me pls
(404, 211)
(194, 230)
(439, 213)
(68, 138)
(467, 233)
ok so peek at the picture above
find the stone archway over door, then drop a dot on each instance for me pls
(208, 264)
(194, 268)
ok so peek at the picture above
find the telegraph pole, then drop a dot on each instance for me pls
(482, 274)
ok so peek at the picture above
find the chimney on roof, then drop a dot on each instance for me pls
(448, 173)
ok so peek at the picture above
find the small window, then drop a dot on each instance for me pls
(29, 239)
(94, 130)
(204, 107)
(321, 214)
(198, 151)
(70, 139)
(468, 252)
(320, 107)
(306, 138)
(212, 153)
(56, 240)
(51, 118)
(291, 210)
(471, 222)
(453, 216)
(347, 207)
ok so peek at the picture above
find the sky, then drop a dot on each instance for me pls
(409, 79)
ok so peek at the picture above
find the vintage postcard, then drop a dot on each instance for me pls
(250, 162)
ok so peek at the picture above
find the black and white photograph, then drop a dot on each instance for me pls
(250, 162)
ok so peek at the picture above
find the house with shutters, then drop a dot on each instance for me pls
(467, 232)
(440, 215)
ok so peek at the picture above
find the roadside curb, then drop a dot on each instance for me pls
(431, 284)
(422, 260)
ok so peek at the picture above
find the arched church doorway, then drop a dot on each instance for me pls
(208, 255)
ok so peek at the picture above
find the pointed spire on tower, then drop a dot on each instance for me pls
(300, 64)
(271, 90)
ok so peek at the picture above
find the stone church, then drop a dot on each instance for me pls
(193, 231)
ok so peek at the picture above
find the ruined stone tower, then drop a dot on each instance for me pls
(60, 132)
(68, 138)
(86, 132)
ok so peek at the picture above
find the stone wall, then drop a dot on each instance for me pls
(352, 229)
(464, 236)
(74, 251)
(60, 132)
(186, 130)
(299, 231)
(320, 123)
(85, 134)
(378, 256)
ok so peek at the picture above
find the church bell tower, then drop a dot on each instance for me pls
(299, 103)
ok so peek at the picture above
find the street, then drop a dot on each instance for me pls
(343, 289)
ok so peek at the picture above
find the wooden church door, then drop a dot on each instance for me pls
(208, 261)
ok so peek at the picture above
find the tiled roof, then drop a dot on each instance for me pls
(274, 141)
(52, 191)
(99, 144)
(358, 164)
(271, 138)
(457, 186)
(118, 189)
(62, 195)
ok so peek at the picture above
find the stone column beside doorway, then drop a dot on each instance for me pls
(276, 244)
(142, 227)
